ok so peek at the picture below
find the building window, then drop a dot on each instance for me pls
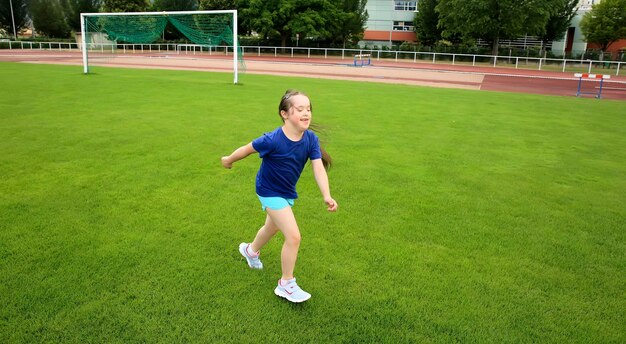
(406, 6)
(403, 26)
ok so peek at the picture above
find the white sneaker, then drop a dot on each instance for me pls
(253, 261)
(291, 291)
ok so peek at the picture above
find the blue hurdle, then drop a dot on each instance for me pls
(360, 61)
(582, 76)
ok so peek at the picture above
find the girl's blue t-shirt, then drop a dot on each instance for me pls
(283, 162)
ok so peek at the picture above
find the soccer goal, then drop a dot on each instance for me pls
(204, 28)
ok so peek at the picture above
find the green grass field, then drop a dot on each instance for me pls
(465, 216)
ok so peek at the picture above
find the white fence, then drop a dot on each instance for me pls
(551, 64)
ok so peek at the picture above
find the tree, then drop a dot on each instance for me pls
(48, 18)
(348, 23)
(125, 5)
(217, 4)
(426, 22)
(239, 5)
(559, 21)
(605, 23)
(286, 18)
(175, 5)
(73, 9)
(20, 14)
(492, 19)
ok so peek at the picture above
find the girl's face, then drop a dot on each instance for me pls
(299, 113)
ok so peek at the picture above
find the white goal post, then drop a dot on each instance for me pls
(84, 29)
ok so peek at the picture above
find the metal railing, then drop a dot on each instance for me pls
(513, 62)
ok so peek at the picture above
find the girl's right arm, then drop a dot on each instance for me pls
(238, 154)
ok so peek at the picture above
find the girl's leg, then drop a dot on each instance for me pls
(264, 234)
(285, 221)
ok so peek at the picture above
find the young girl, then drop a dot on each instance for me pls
(284, 151)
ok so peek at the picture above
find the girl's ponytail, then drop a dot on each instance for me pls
(326, 159)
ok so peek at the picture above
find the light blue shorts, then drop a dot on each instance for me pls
(275, 203)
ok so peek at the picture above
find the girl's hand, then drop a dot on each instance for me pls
(331, 203)
(226, 163)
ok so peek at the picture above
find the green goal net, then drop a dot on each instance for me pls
(203, 28)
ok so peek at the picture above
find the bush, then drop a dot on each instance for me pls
(46, 39)
(593, 54)
(408, 46)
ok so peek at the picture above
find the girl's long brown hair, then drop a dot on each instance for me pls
(285, 104)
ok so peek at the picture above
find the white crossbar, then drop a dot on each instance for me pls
(592, 76)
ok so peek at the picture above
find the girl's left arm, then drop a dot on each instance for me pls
(319, 172)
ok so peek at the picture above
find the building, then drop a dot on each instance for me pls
(389, 21)
(574, 43)
(585, 5)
